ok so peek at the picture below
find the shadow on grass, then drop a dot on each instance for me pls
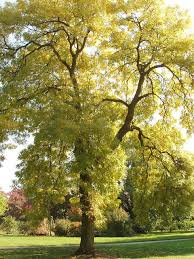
(179, 249)
(46, 252)
(148, 237)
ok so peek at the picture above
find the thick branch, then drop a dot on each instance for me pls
(141, 136)
(116, 101)
(63, 61)
(154, 67)
(79, 50)
(138, 55)
(130, 113)
(58, 20)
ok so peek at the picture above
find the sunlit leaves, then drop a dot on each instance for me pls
(62, 61)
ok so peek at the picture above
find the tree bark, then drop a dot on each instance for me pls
(88, 219)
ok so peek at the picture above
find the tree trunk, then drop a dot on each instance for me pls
(88, 220)
(49, 220)
(87, 234)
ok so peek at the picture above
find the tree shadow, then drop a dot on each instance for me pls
(150, 237)
(178, 249)
(42, 252)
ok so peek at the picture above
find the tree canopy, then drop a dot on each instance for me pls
(83, 79)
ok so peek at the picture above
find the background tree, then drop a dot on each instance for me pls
(3, 203)
(156, 191)
(18, 204)
(45, 176)
(93, 76)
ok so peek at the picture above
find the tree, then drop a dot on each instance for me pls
(92, 75)
(157, 193)
(18, 204)
(3, 203)
(9, 225)
(44, 176)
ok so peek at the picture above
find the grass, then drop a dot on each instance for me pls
(11, 241)
(178, 249)
(146, 237)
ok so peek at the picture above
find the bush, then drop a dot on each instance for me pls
(118, 223)
(62, 227)
(38, 228)
(28, 227)
(75, 229)
(10, 225)
(24, 227)
(65, 227)
(35, 228)
(118, 229)
(186, 224)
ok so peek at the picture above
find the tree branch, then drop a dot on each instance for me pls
(141, 136)
(79, 50)
(116, 101)
(63, 61)
(154, 67)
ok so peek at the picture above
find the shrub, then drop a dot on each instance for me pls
(186, 224)
(65, 227)
(75, 229)
(118, 223)
(24, 227)
(118, 229)
(35, 228)
(10, 225)
(40, 229)
(62, 227)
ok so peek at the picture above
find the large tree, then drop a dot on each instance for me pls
(90, 76)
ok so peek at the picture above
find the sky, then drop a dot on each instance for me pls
(7, 171)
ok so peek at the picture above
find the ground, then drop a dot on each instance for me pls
(62, 247)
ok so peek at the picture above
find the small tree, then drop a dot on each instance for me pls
(9, 225)
(18, 204)
(3, 203)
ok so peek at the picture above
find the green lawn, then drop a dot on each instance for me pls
(178, 249)
(59, 241)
